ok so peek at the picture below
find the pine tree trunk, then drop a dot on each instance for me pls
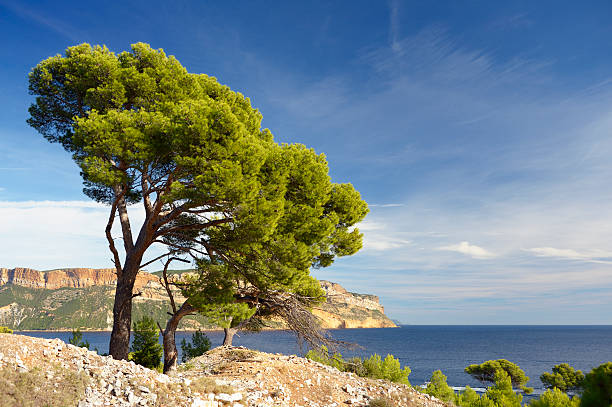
(119, 346)
(169, 335)
(229, 336)
(170, 351)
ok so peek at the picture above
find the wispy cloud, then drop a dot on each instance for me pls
(388, 205)
(394, 23)
(49, 234)
(28, 12)
(468, 249)
(512, 22)
(50, 204)
(597, 256)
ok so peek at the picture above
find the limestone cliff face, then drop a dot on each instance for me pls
(61, 306)
(344, 309)
(60, 278)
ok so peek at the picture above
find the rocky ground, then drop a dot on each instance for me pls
(36, 372)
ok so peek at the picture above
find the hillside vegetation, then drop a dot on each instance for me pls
(83, 298)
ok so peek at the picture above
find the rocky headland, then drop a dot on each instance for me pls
(65, 299)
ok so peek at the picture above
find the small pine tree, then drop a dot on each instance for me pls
(555, 398)
(76, 339)
(502, 393)
(387, 369)
(487, 373)
(146, 348)
(199, 345)
(598, 387)
(563, 377)
(467, 398)
(438, 387)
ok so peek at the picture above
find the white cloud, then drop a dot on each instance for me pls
(389, 205)
(50, 204)
(53, 234)
(379, 243)
(468, 249)
(377, 238)
(595, 256)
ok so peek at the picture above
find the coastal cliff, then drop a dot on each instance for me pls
(344, 309)
(82, 297)
(61, 278)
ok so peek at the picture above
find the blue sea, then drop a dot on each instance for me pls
(427, 348)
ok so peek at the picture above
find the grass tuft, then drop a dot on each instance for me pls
(36, 388)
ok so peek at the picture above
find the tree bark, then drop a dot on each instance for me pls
(122, 320)
(119, 346)
(170, 351)
(229, 336)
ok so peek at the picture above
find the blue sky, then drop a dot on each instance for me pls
(478, 132)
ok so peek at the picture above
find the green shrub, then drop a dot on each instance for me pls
(76, 339)
(598, 387)
(467, 398)
(563, 377)
(146, 348)
(438, 387)
(5, 330)
(555, 398)
(501, 393)
(487, 372)
(199, 345)
(321, 355)
(355, 365)
(387, 369)
(374, 366)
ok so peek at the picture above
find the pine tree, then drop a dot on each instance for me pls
(146, 350)
(199, 345)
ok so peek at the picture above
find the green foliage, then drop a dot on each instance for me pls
(322, 355)
(555, 398)
(467, 398)
(501, 394)
(146, 348)
(76, 339)
(563, 377)
(438, 387)
(5, 330)
(598, 387)
(388, 368)
(487, 372)
(142, 128)
(374, 366)
(199, 345)
(86, 307)
(313, 225)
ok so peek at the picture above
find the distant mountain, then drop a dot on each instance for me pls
(64, 299)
